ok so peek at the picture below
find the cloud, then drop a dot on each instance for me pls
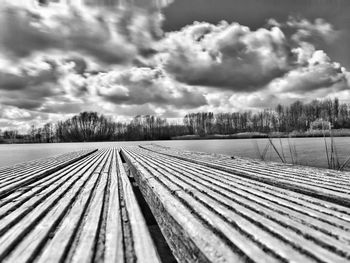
(28, 87)
(38, 79)
(226, 55)
(235, 58)
(67, 85)
(257, 68)
(137, 86)
(13, 118)
(308, 31)
(110, 35)
(53, 55)
(112, 57)
(30, 76)
(13, 113)
(315, 75)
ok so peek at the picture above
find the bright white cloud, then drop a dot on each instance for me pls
(13, 113)
(307, 30)
(226, 55)
(259, 68)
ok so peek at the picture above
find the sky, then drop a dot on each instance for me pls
(124, 58)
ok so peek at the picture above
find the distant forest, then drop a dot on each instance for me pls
(91, 126)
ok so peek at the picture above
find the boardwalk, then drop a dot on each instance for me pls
(85, 211)
(106, 206)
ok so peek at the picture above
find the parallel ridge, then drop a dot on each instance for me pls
(324, 184)
(29, 165)
(83, 212)
(11, 178)
(209, 214)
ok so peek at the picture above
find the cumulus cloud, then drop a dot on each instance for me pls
(29, 75)
(315, 76)
(39, 82)
(137, 86)
(263, 66)
(67, 85)
(112, 56)
(319, 72)
(317, 30)
(226, 55)
(27, 85)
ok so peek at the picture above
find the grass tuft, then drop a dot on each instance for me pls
(331, 151)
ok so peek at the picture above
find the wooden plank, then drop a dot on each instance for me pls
(188, 237)
(209, 208)
(206, 190)
(228, 233)
(63, 242)
(84, 244)
(275, 189)
(11, 187)
(12, 218)
(76, 214)
(113, 248)
(35, 227)
(218, 199)
(143, 245)
(244, 201)
(332, 195)
(35, 189)
(286, 204)
(18, 169)
(291, 171)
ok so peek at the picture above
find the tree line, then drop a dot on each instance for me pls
(295, 117)
(91, 126)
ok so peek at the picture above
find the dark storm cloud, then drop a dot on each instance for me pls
(27, 38)
(26, 79)
(30, 99)
(9, 81)
(23, 103)
(111, 36)
(30, 84)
